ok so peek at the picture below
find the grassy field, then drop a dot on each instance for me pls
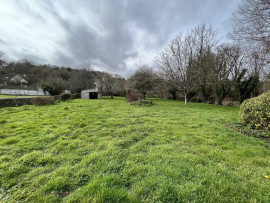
(108, 151)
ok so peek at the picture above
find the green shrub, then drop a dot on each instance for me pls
(255, 112)
(53, 89)
(39, 101)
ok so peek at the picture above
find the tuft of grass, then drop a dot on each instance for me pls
(3, 121)
(109, 151)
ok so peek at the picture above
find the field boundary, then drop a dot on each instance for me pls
(13, 102)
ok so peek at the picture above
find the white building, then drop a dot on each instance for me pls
(18, 80)
(91, 94)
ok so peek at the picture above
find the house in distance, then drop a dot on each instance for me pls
(91, 94)
(19, 81)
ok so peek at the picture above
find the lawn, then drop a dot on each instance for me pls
(108, 151)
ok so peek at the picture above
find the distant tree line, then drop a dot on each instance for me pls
(196, 64)
(55, 79)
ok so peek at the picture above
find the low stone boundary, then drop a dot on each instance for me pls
(10, 102)
(20, 101)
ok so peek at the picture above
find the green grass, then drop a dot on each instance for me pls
(108, 151)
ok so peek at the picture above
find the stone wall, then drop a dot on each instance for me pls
(9, 102)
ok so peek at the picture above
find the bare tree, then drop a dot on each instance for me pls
(251, 22)
(108, 84)
(251, 27)
(143, 79)
(222, 74)
(84, 79)
(120, 85)
(2, 64)
(176, 64)
(2, 59)
(230, 70)
(258, 64)
(205, 41)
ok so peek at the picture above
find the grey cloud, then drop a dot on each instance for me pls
(107, 33)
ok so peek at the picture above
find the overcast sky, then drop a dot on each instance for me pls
(112, 35)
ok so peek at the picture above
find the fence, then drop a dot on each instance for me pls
(23, 92)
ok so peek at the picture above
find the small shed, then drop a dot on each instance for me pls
(91, 94)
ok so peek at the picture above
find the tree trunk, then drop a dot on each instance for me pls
(185, 98)
(111, 96)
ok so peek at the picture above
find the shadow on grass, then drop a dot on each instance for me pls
(249, 131)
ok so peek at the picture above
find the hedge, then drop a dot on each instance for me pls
(255, 112)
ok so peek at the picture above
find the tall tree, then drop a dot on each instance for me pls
(258, 64)
(205, 41)
(222, 73)
(2, 60)
(251, 22)
(120, 85)
(231, 73)
(176, 64)
(143, 80)
(108, 84)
